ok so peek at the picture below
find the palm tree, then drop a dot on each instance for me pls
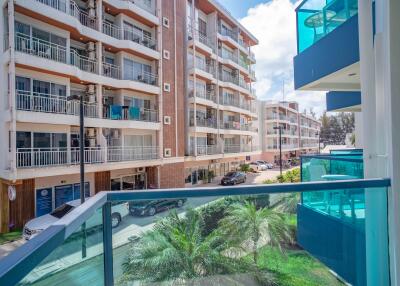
(288, 203)
(245, 223)
(176, 251)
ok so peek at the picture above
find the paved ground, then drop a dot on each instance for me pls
(134, 225)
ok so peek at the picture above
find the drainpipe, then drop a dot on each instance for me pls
(99, 14)
(11, 92)
(194, 76)
(160, 84)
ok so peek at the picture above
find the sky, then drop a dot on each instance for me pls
(273, 23)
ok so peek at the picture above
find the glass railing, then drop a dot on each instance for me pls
(333, 168)
(197, 236)
(316, 19)
(343, 207)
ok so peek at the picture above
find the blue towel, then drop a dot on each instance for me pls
(134, 113)
(116, 112)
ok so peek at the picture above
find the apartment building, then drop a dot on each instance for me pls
(300, 132)
(120, 56)
(220, 95)
(166, 88)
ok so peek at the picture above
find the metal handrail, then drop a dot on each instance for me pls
(50, 103)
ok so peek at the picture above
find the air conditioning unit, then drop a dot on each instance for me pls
(91, 46)
(91, 4)
(106, 132)
(91, 88)
(92, 55)
(115, 134)
(91, 132)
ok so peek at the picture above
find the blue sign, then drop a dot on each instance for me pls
(63, 194)
(77, 191)
(44, 201)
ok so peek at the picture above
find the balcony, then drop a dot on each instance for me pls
(210, 122)
(55, 254)
(341, 209)
(71, 8)
(144, 4)
(318, 19)
(240, 82)
(52, 157)
(327, 28)
(47, 50)
(129, 35)
(121, 112)
(230, 125)
(229, 33)
(200, 37)
(205, 150)
(203, 94)
(203, 66)
(228, 56)
(49, 103)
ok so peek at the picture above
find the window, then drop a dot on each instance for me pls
(24, 139)
(138, 72)
(138, 140)
(41, 88)
(22, 83)
(22, 28)
(202, 27)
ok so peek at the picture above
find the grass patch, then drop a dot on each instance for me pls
(296, 268)
(10, 236)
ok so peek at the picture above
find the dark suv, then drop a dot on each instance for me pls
(233, 178)
(150, 208)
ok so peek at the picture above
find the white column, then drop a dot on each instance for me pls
(99, 14)
(99, 100)
(358, 130)
(12, 102)
(375, 201)
(387, 16)
(99, 56)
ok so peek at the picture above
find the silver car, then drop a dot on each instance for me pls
(37, 225)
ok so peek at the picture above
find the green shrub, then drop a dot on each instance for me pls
(245, 168)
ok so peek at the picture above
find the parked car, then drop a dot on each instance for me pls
(268, 165)
(233, 178)
(257, 167)
(36, 225)
(150, 208)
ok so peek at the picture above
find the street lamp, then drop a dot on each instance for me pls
(319, 141)
(280, 146)
(81, 163)
(81, 145)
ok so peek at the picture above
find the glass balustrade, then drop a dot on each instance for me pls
(316, 19)
(242, 235)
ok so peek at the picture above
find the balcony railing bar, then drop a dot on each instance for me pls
(49, 103)
(15, 266)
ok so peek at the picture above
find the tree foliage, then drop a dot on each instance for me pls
(335, 127)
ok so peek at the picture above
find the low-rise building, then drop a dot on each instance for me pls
(300, 131)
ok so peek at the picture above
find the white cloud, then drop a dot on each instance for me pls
(274, 25)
